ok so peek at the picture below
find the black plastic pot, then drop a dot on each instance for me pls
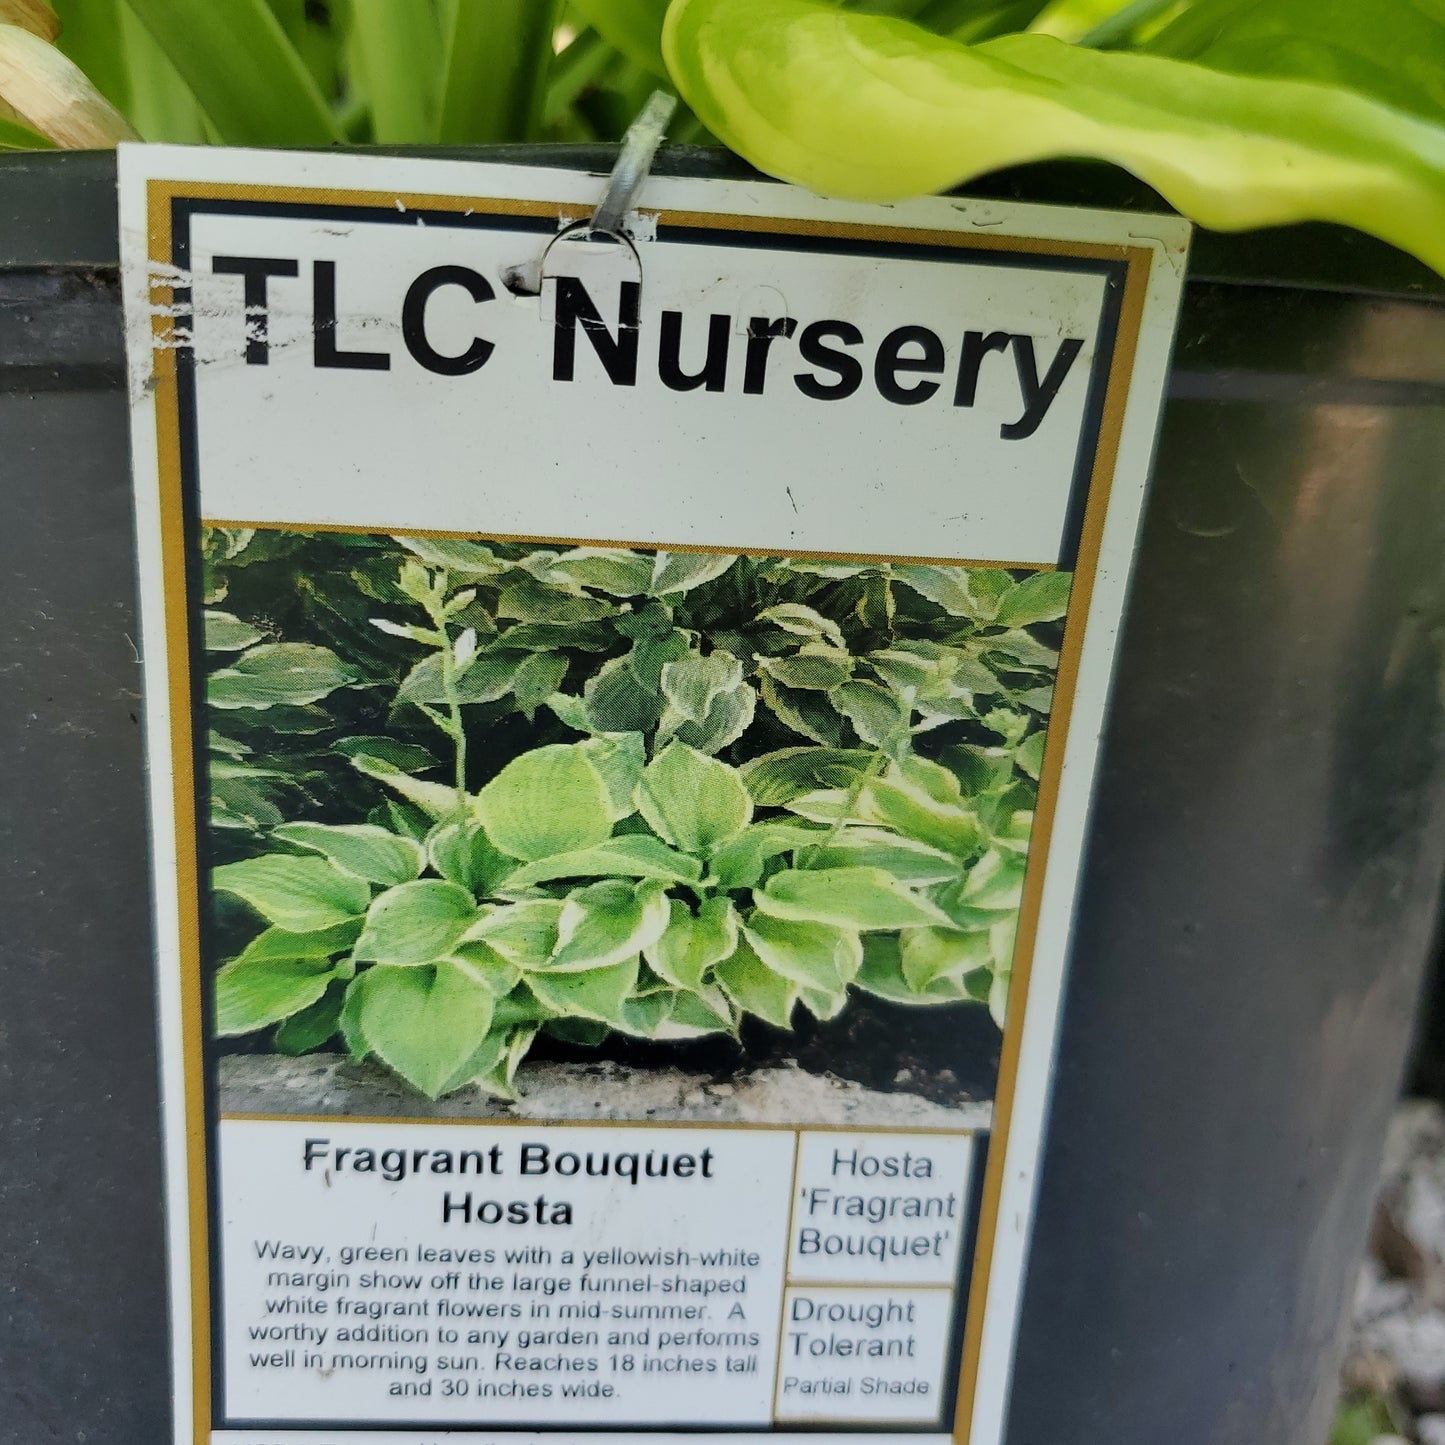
(1262, 876)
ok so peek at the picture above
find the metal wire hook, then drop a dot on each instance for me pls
(639, 147)
(634, 161)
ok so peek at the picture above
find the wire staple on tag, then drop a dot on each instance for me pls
(634, 161)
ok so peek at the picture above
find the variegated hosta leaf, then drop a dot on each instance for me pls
(693, 942)
(757, 989)
(425, 1023)
(604, 923)
(816, 956)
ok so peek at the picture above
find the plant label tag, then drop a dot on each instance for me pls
(619, 767)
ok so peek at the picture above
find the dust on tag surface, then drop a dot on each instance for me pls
(619, 763)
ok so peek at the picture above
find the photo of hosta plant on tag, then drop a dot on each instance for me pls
(479, 808)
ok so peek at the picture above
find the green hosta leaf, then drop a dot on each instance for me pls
(315, 1025)
(808, 713)
(914, 673)
(617, 703)
(561, 637)
(434, 799)
(691, 684)
(1012, 831)
(499, 975)
(1002, 939)
(428, 635)
(350, 1020)
(644, 1016)
(1036, 699)
(692, 800)
(882, 974)
(682, 571)
(588, 1033)
(619, 760)
(463, 854)
(281, 944)
(596, 993)
(739, 862)
(487, 1056)
(929, 954)
(904, 858)
(225, 633)
(499, 1080)
(878, 717)
(692, 943)
(908, 112)
(254, 992)
(1044, 597)
(424, 1023)
(285, 719)
(301, 895)
(612, 570)
(484, 679)
(528, 600)
(728, 717)
(652, 651)
(803, 621)
(830, 805)
(1391, 52)
(948, 587)
(814, 955)
(814, 668)
(979, 770)
(697, 1014)
(523, 933)
(1009, 725)
(570, 711)
(995, 882)
(1016, 650)
(1029, 755)
(932, 778)
(360, 849)
(756, 989)
(515, 1020)
(604, 923)
(241, 803)
(635, 855)
(409, 757)
(550, 800)
(822, 1003)
(403, 818)
(416, 923)
(278, 674)
(775, 779)
(460, 559)
(899, 803)
(535, 680)
(998, 995)
(850, 898)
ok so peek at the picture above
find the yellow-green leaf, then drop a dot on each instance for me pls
(875, 108)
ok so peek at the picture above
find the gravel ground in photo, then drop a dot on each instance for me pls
(332, 1084)
(1394, 1372)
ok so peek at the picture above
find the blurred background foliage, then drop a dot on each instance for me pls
(87, 73)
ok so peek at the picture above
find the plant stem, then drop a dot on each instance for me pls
(454, 709)
(436, 610)
(854, 793)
